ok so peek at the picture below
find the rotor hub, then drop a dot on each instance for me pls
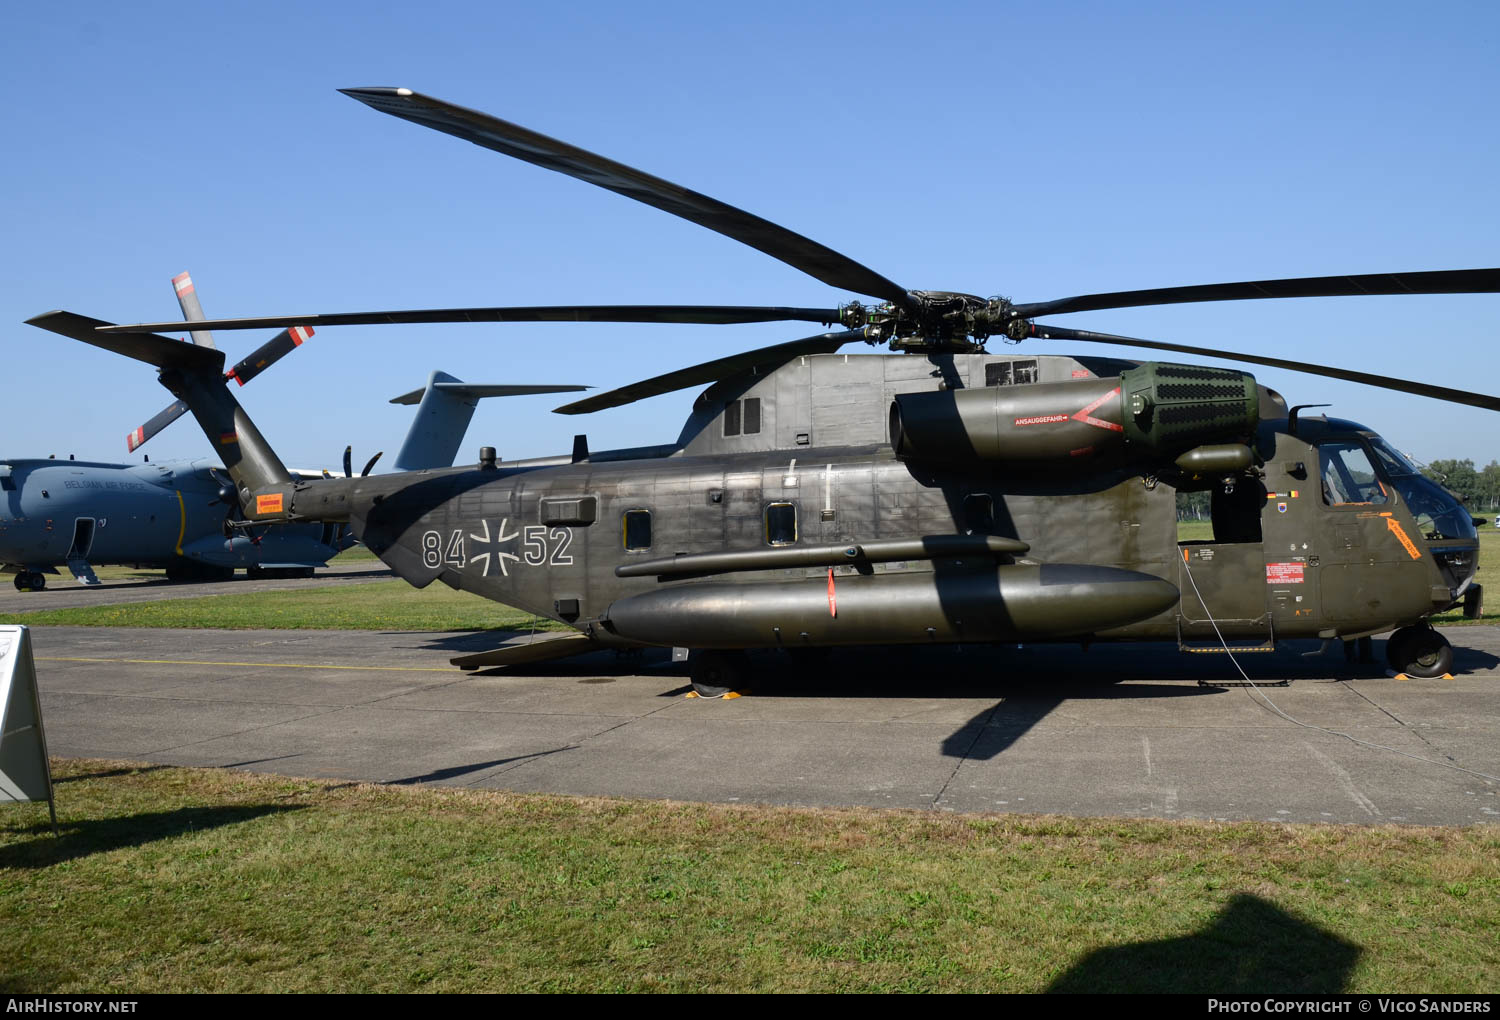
(936, 321)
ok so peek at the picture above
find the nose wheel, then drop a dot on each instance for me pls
(1419, 652)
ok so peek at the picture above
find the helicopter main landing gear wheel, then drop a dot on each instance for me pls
(717, 673)
(1419, 652)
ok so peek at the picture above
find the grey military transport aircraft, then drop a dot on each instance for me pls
(935, 495)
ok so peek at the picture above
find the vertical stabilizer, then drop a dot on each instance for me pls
(437, 430)
(443, 415)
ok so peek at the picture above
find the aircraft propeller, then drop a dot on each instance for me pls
(349, 462)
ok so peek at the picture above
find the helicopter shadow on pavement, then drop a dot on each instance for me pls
(1470, 660)
(1251, 946)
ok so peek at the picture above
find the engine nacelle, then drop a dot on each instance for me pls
(1147, 412)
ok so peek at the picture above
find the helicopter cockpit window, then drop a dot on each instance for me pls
(742, 417)
(1439, 515)
(1348, 476)
(781, 524)
(637, 527)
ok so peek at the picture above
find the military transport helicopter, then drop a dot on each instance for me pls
(935, 495)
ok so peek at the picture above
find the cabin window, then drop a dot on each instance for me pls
(1348, 476)
(637, 528)
(978, 512)
(1011, 373)
(742, 417)
(781, 524)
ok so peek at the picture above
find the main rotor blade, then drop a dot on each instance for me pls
(703, 315)
(1382, 381)
(1450, 281)
(797, 251)
(711, 371)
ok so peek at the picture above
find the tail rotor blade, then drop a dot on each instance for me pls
(159, 421)
(263, 358)
(187, 300)
(268, 353)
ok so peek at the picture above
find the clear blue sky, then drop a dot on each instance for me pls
(1031, 150)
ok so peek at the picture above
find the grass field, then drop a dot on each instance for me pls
(170, 879)
(379, 605)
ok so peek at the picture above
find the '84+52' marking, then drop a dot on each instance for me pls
(539, 545)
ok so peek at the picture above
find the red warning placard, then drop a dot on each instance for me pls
(1284, 573)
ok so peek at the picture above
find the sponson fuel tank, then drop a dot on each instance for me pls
(1153, 410)
(1029, 602)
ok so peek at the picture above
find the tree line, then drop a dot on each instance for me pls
(1478, 487)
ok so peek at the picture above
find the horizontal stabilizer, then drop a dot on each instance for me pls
(161, 351)
(541, 650)
(474, 391)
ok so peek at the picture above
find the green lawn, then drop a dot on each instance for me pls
(379, 605)
(169, 880)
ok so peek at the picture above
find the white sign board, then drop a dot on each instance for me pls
(24, 774)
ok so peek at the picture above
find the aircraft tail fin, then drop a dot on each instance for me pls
(446, 408)
(195, 375)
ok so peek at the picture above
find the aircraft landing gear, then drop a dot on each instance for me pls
(31, 580)
(717, 673)
(1361, 652)
(1419, 652)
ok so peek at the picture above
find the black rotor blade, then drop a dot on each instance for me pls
(1382, 381)
(802, 253)
(371, 463)
(711, 371)
(349, 462)
(703, 315)
(1449, 281)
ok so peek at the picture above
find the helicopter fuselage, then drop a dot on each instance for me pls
(623, 548)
